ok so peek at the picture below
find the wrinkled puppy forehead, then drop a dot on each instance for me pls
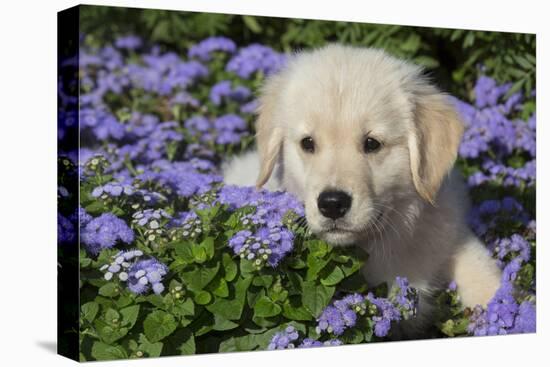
(347, 85)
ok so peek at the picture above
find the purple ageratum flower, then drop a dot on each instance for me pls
(129, 42)
(219, 91)
(266, 246)
(229, 137)
(516, 245)
(104, 232)
(222, 91)
(452, 286)
(165, 72)
(485, 217)
(386, 313)
(239, 196)
(145, 275)
(180, 178)
(102, 124)
(250, 107)
(489, 129)
(66, 233)
(112, 189)
(487, 92)
(526, 319)
(342, 314)
(197, 124)
(189, 223)
(256, 58)
(404, 297)
(150, 218)
(284, 339)
(205, 48)
(310, 343)
(331, 321)
(82, 217)
(270, 206)
(503, 315)
(230, 122)
(120, 264)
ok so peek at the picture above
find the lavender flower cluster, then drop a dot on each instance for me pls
(141, 275)
(501, 147)
(494, 134)
(288, 339)
(344, 314)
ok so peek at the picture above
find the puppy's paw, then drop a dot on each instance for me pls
(476, 274)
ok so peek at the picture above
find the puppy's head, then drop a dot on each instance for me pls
(358, 133)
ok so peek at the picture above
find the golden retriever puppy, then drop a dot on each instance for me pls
(368, 145)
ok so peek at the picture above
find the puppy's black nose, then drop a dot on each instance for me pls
(333, 204)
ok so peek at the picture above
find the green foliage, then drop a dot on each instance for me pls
(453, 57)
(215, 301)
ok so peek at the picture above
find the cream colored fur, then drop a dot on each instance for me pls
(409, 206)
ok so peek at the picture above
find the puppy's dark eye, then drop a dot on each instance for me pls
(371, 145)
(307, 144)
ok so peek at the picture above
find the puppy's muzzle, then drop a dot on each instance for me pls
(334, 204)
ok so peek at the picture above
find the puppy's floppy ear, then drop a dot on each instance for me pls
(269, 135)
(433, 145)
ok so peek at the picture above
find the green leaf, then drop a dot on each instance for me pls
(237, 344)
(109, 332)
(316, 297)
(95, 207)
(523, 62)
(158, 325)
(296, 263)
(156, 300)
(426, 61)
(199, 254)
(231, 308)
(221, 324)
(208, 245)
(188, 346)
(221, 289)
(109, 290)
(263, 281)
(104, 352)
(334, 277)
(152, 349)
(202, 297)
(265, 307)
(229, 266)
(123, 301)
(129, 316)
(184, 251)
(89, 311)
(112, 316)
(298, 313)
(247, 268)
(252, 23)
(199, 276)
(185, 308)
(515, 88)
(314, 266)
